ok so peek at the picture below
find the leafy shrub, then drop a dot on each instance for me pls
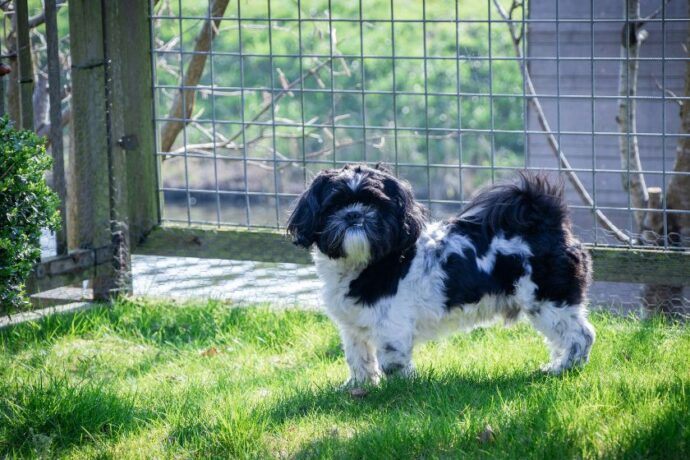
(26, 206)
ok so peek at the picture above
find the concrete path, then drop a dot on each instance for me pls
(240, 281)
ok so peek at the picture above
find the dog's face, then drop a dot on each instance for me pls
(358, 213)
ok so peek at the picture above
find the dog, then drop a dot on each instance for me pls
(392, 279)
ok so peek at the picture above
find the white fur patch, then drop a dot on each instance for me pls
(500, 245)
(356, 246)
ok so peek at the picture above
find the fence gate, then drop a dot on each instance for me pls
(250, 99)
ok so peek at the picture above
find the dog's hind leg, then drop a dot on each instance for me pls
(569, 334)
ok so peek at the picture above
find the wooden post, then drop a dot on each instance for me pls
(127, 35)
(56, 145)
(115, 160)
(2, 90)
(96, 176)
(26, 74)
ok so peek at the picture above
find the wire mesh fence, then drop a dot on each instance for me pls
(254, 98)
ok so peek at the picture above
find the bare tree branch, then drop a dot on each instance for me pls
(40, 18)
(668, 92)
(633, 180)
(654, 14)
(230, 142)
(184, 100)
(553, 142)
(311, 72)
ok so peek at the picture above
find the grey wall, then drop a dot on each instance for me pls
(601, 40)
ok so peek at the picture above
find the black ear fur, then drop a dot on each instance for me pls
(410, 212)
(381, 166)
(303, 220)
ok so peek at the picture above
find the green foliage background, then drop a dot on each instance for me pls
(457, 77)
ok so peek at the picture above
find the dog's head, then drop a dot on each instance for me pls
(357, 213)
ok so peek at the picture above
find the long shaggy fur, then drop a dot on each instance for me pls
(392, 279)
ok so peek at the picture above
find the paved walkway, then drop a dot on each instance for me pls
(239, 281)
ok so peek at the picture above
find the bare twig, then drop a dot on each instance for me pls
(654, 14)
(66, 118)
(551, 138)
(377, 142)
(668, 92)
(230, 142)
(183, 104)
(40, 18)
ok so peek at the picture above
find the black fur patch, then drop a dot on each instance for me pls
(535, 210)
(507, 270)
(467, 284)
(561, 274)
(381, 278)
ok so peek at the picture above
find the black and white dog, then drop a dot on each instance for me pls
(392, 279)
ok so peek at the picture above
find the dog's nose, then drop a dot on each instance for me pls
(353, 216)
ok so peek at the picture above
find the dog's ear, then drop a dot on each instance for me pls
(303, 221)
(410, 212)
(383, 167)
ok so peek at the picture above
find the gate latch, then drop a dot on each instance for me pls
(128, 142)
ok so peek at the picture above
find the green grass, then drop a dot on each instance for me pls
(154, 380)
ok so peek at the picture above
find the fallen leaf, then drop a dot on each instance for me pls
(487, 435)
(213, 351)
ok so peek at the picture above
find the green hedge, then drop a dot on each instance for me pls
(26, 206)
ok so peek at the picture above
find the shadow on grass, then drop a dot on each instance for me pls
(433, 416)
(667, 437)
(401, 395)
(52, 414)
(427, 416)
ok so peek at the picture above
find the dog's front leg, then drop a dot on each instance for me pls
(361, 358)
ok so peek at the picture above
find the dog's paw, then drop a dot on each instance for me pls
(348, 385)
(561, 368)
(400, 370)
(552, 368)
(353, 383)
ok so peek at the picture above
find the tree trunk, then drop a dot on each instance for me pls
(662, 298)
(184, 100)
(632, 37)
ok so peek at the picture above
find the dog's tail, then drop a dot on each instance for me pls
(532, 204)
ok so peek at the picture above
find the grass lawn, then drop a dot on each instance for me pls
(143, 380)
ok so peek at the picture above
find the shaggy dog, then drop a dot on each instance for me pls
(392, 279)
